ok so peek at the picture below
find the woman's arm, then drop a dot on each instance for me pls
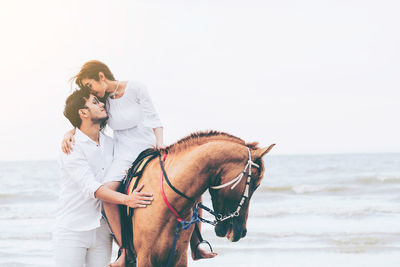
(68, 141)
(158, 132)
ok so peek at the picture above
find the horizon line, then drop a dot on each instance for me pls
(272, 154)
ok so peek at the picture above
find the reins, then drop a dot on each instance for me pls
(198, 205)
(163, 173)
(182, 224)
(169, 182)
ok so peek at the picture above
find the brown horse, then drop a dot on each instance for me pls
(194, 164)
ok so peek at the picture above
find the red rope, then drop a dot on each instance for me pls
(165, 197)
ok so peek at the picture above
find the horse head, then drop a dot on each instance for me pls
(231, 198)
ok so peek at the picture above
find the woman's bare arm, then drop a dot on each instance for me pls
(68, 141)
(158, 132)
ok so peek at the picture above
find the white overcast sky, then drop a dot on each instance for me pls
(313, 76)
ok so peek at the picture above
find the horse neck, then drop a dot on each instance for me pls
(192, 171)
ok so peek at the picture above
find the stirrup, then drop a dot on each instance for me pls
(206, 242)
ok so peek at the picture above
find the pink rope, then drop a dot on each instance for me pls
(179, 219)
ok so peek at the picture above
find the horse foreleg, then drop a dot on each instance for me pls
(143, 260)
(182, 261)
(146, 261)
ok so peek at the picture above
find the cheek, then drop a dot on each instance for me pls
(98, 88)
(97, 85)
(98, 91)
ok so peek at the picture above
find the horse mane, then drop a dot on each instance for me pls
(202, 137)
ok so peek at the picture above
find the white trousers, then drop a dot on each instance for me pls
(83, 248)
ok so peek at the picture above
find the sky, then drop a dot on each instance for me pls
(312, 76)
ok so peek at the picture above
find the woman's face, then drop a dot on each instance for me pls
(97, 88)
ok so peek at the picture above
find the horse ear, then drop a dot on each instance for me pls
(259, 153)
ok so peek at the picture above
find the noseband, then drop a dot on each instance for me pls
(235, 182)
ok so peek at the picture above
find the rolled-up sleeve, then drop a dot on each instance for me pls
(77, 168)
(151, 117)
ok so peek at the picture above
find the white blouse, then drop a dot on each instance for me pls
(132, 118)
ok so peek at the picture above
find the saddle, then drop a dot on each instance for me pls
(127, 186)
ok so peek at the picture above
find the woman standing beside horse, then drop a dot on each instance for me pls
(136, 126)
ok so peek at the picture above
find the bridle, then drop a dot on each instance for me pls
(182, 224)
(235, 182)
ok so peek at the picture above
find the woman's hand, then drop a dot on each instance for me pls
(139, 199)
(68, 141)
(160, 146)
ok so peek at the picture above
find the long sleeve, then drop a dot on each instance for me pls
(77, 168)
(151, 117)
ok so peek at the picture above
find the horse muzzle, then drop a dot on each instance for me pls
(231, 229)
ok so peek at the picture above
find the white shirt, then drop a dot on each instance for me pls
(132, 117)
(82, 173)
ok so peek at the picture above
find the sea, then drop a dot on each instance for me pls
(310, 210)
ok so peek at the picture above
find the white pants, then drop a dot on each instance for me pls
(83, 248)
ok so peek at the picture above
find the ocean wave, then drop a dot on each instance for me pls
(28, 196)
(336, 237)
(7, 196)
(362, 243)
(305, 189)
(378, 179)
(26, 236)
(326, 169)
(21, 211)
(26, 216)
(333, 211)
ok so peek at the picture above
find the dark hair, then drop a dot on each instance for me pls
(73, 104)
(91, 70)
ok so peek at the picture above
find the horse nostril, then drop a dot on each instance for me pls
(244, 232)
